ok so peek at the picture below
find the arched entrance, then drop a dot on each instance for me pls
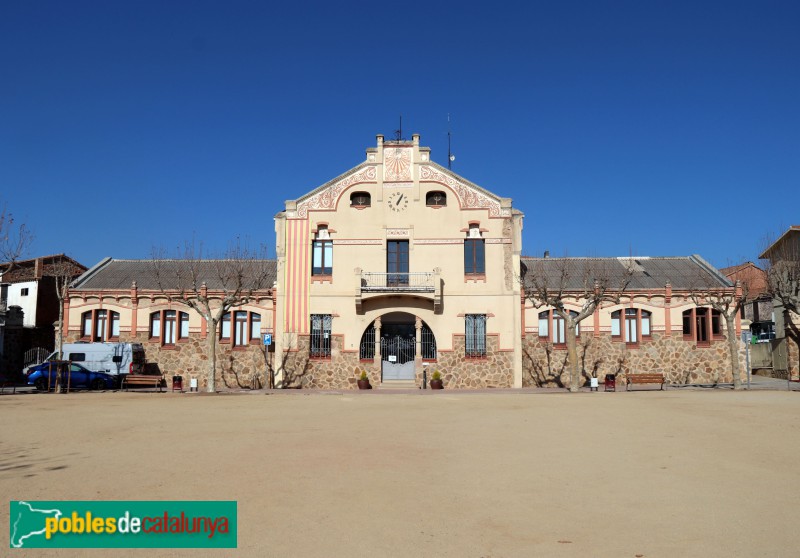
(394, 337)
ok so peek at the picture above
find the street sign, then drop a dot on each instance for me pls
(268, 339)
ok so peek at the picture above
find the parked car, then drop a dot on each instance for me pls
(73, 375)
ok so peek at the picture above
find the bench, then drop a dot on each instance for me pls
(644, 379)
(147, 380)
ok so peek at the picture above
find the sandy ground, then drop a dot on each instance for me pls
(690, 473)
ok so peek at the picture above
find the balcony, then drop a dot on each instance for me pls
(425, 284)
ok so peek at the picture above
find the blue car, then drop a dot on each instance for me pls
(73, 375)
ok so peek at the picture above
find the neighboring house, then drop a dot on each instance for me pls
(399, 267)
(122, 300)
(30, 286)
(783, 256)
(757, 308)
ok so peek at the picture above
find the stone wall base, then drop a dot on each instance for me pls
(680, 361)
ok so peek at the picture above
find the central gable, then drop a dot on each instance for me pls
(399, 164)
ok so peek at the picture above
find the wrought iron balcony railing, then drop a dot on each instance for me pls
(397, 282)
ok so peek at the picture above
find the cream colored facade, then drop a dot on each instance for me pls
(399, 179)
(400, 267)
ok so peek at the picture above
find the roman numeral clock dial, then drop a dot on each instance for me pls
(398, 201)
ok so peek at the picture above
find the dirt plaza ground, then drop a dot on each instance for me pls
(674, 473)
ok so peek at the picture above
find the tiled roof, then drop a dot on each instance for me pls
(56, 264)
(120, 274)
(648, 273)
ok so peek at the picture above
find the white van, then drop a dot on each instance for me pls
(111, 358)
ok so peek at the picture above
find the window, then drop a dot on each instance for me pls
(436, 199)
(321, 335)
(322, 253)
(637, 325)
(397, 263)
(100, 325)
(240, 329)
(366, 349)
(80, 357)
(169, 326)
(255, 326)
(474, 252)
(184, 331)
(428, 343)
(553, 327)
(225, 327)
(155, 325)
(86, 324)
(23, 292)
(360, 199)
(474, 257)
(701, 325)
(475, 335)
(114, 325)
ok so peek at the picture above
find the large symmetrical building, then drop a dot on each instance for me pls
(399, 267)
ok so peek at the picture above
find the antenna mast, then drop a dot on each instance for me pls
(399, 132)
(450, 156)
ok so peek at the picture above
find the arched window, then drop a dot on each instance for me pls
(637, 325)
(169, 326)
(552, 326)
(701, 325)
(436, 199)
(360, 199)
(366, 350)
(240, 329)
(100, 325)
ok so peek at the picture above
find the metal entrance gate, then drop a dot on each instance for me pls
(397, 355)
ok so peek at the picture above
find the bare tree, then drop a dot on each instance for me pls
(14, 241)
(63, 270)
(585, 283)
(728, 301)
(211, 287)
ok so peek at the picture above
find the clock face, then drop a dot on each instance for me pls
(398, 201)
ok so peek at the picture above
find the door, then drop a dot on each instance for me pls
(398, 349)
(397, 263)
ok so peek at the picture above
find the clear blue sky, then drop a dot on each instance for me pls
(657, 128)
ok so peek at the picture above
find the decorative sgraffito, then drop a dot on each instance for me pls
(328, 196)
(468, 197)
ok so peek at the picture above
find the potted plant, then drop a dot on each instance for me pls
(363, 381)
(436, 380)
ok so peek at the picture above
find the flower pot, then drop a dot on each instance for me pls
(437, 384)
(364, 384)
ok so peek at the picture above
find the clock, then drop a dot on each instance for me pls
(398, 201)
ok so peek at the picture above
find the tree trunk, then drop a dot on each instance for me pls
(572, 356)
(60, 332)
(734, 349)
(212, 356)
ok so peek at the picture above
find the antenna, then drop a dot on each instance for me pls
(450, 156)
(399, 132)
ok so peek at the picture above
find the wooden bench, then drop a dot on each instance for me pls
(643, 379)
(147, 380)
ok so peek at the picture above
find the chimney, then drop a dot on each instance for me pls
(547, 253)
(37, 270)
